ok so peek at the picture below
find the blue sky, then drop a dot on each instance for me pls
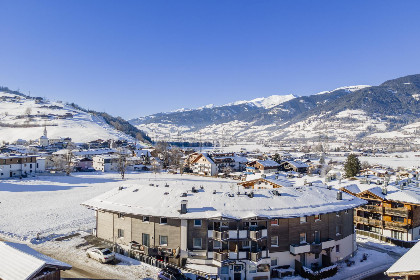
(134, 58)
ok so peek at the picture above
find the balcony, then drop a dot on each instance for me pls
(241, 255)
(372, 208)
(316, 248)
(220, 257)
(400, 212)
(241, 234)
(257, 256)
(397, 226)
(258, 234)
(368, 221)
(220, 235)
(300, 248)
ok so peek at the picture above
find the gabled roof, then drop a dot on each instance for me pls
(19, 261)
(408, 264)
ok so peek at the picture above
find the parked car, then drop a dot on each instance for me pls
(170, 273)
(102, 255)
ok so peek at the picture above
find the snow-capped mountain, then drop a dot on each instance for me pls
(24, 117)
(343, 114)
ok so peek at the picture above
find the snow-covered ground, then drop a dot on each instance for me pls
(29, 117)
(50, 205)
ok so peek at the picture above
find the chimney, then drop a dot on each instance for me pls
(384, 190)
(184, 206)
(339, 195)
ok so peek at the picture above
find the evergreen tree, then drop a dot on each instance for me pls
(352, 166)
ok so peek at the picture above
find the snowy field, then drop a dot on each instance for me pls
(50, 205)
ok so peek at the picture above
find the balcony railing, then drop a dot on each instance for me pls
(372, 208)
(401, 212)
(367, 221)
(397, 226)
(258, 234)
(300, 248)
(220, 235)
(241, 255)
(220, 257)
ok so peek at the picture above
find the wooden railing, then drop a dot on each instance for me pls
(372, 222)
(396, 225)
(400, 212)
(372, 208)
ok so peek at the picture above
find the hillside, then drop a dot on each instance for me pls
(24, 117)
(343, 114)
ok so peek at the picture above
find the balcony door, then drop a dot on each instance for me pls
(317, 237)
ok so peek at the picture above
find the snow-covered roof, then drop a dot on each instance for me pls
(225, 202)
(297, 164)
(277, 179)
(268, 163)
(409, 193)
(19, 261)
(408, 263)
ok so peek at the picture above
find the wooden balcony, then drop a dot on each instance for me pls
(368, 221)
(397, 226)
(372, 208)
(400, 212)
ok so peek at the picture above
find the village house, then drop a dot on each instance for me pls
(105, 163)
(233, 234)
(262, 166)
(294, 165)
(392, 211)
(20, 165)
(23, 262)
(84, 164)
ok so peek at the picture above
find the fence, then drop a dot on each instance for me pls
(401, 243)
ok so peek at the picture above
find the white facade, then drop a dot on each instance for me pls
(105, 163)
(16, 166)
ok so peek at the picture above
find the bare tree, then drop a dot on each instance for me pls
(155, 166)
(122, 162)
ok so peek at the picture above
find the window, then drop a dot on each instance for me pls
(302, 220)
(397, 234)
(164, 220)
(197, 223)
(197, 243)
(252, 268)
(337, 248)
(346, 211)
(274, 222)
(120, 216)
(146, 219)
(274, 262)
(337, 214)
(274, 241)
(317, 217)
(338, 229)
(146, 239)
(317, 236)
(246, 244)
(224, 269)
(163, 240)
(397, 219)
(302, 237)
(246, 224)
(217, 244)
(120, 233)
(225, 224)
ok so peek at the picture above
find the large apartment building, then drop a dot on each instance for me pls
(392, 210)
(241, 234)
(20, 165)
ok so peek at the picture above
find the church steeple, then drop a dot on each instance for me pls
(45, 131)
